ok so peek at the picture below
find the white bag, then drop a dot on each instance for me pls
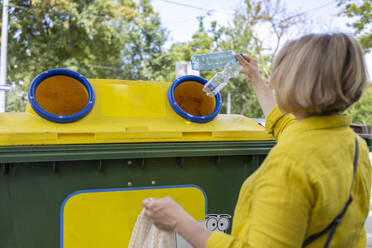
(147, 235)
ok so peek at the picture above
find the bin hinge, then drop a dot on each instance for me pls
(100, 165)
(218, 160)
(5, 168)
(142, 162)
(256, 160)
(180, 161)
(54, 166)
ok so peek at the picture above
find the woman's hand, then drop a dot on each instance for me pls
(250, 68)
(263, 92)
(165, 213)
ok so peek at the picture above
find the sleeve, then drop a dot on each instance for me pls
(277, 122)
(279, 213)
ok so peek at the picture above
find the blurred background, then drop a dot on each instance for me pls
(145, 39)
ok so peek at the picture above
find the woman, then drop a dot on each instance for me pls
(306, 180)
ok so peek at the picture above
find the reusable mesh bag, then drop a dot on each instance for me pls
(147, 235)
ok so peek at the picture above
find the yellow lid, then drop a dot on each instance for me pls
(126, 112)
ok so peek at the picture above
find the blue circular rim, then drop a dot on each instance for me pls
(181, 112)
(60, 118)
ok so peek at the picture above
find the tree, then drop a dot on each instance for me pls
(99, 38)
(360, 13)
(361, 110)
(241, 36)
(202, 42)
(143, 52)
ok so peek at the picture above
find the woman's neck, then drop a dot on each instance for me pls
(301, 116)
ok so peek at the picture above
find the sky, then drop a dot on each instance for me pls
(181, 22)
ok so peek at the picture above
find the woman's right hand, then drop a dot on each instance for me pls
(250, 68)
(263, 92)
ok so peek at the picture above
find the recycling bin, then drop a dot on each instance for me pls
(75, 166)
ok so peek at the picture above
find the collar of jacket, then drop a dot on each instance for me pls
(317, 122)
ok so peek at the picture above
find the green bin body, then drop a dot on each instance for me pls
(35, 180)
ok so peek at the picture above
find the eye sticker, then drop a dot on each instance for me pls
(212, 223)
(223, 224)
(217, 222)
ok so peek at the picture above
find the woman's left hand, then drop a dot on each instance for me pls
(165, 213)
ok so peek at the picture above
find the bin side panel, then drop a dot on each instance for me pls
(32, 193)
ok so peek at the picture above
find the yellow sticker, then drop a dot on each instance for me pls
(106, 217)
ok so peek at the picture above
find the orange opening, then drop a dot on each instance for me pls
(61, 95)
(192, 99)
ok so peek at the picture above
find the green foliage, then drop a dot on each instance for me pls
(361, 111)
(98, 38)
(360, 13)
(124, 39)
(202, 42)
(240, 36)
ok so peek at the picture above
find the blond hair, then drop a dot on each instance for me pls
(319, 73)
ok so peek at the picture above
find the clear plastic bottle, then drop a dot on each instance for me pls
(212, 61)
(220, 79)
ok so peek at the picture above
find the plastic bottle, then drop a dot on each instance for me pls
(212, 61)
(220, 80)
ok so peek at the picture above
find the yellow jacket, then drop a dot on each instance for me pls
(302, 185)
